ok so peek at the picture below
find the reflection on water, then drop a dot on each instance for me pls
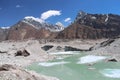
(69, 69)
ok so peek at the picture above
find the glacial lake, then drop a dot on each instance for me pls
(79, 67)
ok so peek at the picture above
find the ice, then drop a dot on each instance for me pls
(112, 73)
(49, 64)
(68, 52)
(90, 59)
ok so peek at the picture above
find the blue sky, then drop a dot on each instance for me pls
(11, 11)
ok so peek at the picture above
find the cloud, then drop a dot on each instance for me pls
(18, 6)
(50, 13)
(67, 20)
(0, 8)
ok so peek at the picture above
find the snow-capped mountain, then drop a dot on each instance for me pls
(35, 28)
(39, 23)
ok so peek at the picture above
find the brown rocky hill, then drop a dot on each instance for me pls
(22, 31)
(92, 26)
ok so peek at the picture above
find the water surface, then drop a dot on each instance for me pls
(70, 68)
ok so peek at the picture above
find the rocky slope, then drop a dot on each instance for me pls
(3, 34)
(10, 72)
(111, 46)
(92, 26)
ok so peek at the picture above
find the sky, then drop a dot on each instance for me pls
(53, 11)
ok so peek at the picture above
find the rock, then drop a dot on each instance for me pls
(106, 43)
(112, 60)
(69, 48)
(6, 67)
(47, 47)
(59, 48)
(24, 53)
(3, 51)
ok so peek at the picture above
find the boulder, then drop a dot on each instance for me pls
(24, 53)
(69, 48)
(112, 60)
(47, 47)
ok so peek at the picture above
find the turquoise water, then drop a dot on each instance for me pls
(68, 69)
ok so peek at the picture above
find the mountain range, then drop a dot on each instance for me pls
(92, 26)
(85, 26)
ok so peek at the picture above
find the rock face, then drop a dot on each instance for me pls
(92, 26)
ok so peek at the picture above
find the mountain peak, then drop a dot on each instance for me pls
(81, 15)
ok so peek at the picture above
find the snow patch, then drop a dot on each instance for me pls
(90, 59)
(107, 17)
(48, 64)
(5, 27)
(112, 73)
(93, 17)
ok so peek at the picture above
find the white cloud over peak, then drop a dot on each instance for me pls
(50, 13)
(67, 20)
(18, 6)
(36, 19)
